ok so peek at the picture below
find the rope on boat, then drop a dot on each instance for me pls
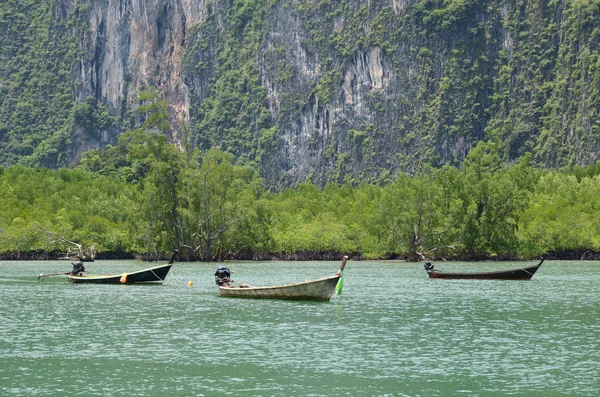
(161, 280)
(527, 272)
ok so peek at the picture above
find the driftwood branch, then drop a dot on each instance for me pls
(64, 240)
(80, 254)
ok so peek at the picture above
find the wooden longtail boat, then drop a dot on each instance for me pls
(516, 274)
(320, 289)
(153, 275)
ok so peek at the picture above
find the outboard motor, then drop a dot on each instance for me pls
(222, 275)
(78, 269)
(428, 266)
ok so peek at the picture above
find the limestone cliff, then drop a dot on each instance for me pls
(345, 90)
(132, 44)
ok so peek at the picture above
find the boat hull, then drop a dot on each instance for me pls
(515, 274)
(317, 290)
(155, 275)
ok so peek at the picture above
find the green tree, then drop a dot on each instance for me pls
(160, 164)
(42, 210)
(563, 215)
(221, 203)
(410, 215)
(493, 197)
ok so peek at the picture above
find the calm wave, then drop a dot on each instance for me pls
(393, 332)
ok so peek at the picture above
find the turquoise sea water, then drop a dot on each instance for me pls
(393, 332)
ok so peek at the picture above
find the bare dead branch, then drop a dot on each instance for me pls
(80, 254)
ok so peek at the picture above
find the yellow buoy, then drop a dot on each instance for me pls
(190, 283)
(123, 279)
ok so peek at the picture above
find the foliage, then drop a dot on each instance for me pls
(440, 159)
(37, 52)
(419, 82)
(233, 113)
(563, 215)
(220, 203)
(217, 209)
(92, 210)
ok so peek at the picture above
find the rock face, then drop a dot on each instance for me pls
(353, 90)
(130, 45)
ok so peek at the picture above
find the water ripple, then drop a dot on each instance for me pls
(404, 335)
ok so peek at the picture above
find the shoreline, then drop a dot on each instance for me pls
(581, 255)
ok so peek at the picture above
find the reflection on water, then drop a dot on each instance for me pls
(400, 335)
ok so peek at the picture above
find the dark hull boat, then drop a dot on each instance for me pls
(153, 275)
(516, 274)
(317, 290)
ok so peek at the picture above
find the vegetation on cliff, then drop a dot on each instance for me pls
(360, 89)
(37, 50)
(323, 91)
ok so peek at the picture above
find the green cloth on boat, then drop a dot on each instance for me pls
(340, 284)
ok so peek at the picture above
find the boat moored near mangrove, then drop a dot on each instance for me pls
(153, 275)
(320, 289)
(524, 273)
